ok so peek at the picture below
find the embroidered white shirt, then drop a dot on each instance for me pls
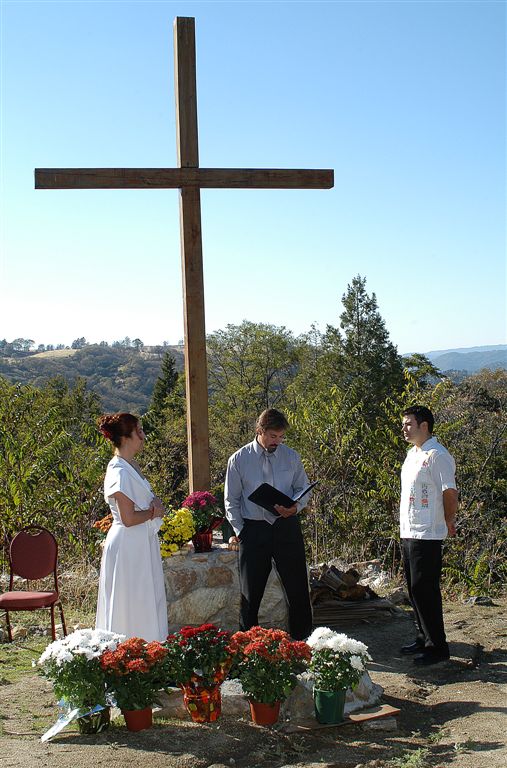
(427, 472)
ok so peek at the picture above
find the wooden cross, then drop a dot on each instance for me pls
(189, 178)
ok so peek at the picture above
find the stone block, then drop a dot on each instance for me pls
(181, 581)
(219, 576)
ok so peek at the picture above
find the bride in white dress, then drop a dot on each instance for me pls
(131, 598)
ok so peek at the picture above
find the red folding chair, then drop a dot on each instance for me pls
(33, 555)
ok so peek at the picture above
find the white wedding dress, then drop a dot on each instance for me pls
(132, 599)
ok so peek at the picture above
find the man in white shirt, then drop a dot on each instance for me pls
(262, 536)
(428, 506)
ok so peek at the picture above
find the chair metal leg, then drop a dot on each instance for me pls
(60, 608)
(9, 630)
(53, 628)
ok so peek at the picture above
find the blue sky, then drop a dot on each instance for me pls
(405, 100)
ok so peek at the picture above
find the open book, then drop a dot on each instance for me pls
(266, 496)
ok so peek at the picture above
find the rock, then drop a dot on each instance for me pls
(399, 597)
(479, 600)
(382, 724)
(219, 576)
(79, 625)
(183, 581)
(19, 632)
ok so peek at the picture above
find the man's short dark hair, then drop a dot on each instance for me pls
(271, 419)
(421, 414)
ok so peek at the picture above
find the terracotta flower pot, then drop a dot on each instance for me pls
(138, 719)
(264, 714)
(202, 541)
(329, 706)
(204, 705)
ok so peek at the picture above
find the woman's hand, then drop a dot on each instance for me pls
(157, 507)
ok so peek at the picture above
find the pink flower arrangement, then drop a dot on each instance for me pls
(205, 511)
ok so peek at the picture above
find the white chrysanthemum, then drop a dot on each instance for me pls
(83, 642)
(357, 663)
(319, 636)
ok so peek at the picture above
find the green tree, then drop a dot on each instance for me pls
(249, 369)
(52, 461)
(164, 386)
(371, 365)
(422, 369)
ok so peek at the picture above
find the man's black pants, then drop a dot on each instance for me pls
(260, 543)
(422, 559)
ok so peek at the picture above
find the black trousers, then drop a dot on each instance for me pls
(422, 559)
(260, 543)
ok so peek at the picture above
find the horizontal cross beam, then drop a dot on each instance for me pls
(179, 178)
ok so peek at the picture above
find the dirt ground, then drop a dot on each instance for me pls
(452, 714)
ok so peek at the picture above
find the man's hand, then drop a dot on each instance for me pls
(286, 511)
(451, 526)
(233, 543)
(450, 499)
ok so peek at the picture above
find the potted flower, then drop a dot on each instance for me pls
(73, 666)
(198, 659)
(338, 663)
(267, 662)
(133, 673)
(177, 528)
(206, 516)
(102, 526)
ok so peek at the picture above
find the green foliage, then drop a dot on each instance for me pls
(122, 376)
(360, 357)
(51, 460)
(250, 367)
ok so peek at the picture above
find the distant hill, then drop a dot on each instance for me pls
(123, 378)
(470, 359)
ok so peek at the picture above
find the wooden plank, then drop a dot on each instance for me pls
(365, 715)
(196, 376)
(185, 89)
(191, 259)
(374, 713)
(178, 178)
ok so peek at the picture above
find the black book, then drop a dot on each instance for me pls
(266, 496)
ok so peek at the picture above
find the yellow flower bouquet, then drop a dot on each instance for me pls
(177, 528)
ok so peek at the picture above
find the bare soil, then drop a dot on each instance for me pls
(452, 714)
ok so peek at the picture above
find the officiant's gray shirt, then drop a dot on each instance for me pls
(245, 474)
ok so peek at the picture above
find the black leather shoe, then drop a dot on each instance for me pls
(431, 656)
(416, 647)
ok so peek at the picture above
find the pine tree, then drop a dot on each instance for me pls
(164, 386)
(366, 362)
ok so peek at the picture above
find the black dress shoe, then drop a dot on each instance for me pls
(432, 656)
(416, 647)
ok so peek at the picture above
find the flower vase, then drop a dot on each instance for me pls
(138, 719)
(204, 705)
(202, 541)
(94, 722)
(329, 706)
(264, 714)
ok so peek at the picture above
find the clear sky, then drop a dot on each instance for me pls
(405, 100)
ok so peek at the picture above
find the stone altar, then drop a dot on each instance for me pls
(203, 587)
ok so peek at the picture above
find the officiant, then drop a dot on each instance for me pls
(265, 537)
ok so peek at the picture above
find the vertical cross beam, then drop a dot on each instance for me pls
(196, 372)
